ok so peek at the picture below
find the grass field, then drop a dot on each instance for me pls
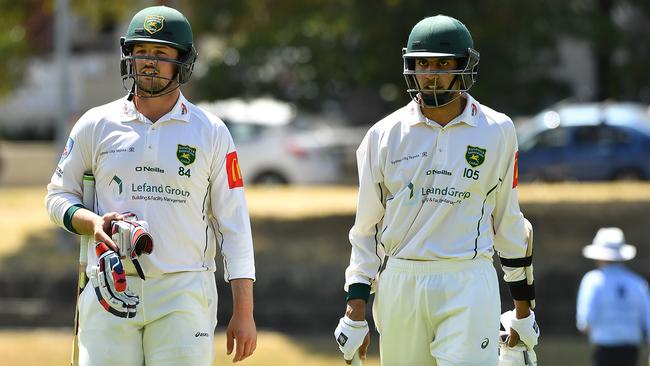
(23, 217)
(52, 347)
(23, 211)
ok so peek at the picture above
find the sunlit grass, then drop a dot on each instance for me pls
(23, 212)
(52, 347)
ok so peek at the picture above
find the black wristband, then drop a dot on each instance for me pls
(521, 290)
(517, 262)
(358, 291)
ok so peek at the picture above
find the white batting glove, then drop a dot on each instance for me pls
(527, 327)
(109, 282)
(518, 355)
(132, 238)
(349, 335)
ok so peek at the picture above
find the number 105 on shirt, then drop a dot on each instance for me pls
(470, 173)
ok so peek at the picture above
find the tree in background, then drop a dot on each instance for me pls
(345, 55)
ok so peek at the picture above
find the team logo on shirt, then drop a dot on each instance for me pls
(186, 154)
(118, 184)
(154, 23)
(475, 156)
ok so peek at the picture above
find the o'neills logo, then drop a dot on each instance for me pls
(434, 172)
(149, 169)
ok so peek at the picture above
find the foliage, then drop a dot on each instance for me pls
(346, 54)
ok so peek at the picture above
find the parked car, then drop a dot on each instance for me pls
(586, 142)
(278, 145)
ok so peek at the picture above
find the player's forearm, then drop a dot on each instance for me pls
(522, 309)
(242, 296)
(356, 309)
(85, 221)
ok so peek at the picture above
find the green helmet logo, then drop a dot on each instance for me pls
(154, 23)
(160, 25)
(444, 37)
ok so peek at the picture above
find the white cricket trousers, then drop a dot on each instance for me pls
(438, 313)
(174, 324)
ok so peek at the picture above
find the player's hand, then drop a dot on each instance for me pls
(102, 229)
(242, 332)
(525, 329)
(351, 335)
(356, 310)
(513, 338)
(363, 349)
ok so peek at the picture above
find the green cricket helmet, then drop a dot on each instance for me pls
(160, 25)
(445, 37)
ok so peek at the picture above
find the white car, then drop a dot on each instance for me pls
(275, 145)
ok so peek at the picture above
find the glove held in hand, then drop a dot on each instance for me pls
(349, 335)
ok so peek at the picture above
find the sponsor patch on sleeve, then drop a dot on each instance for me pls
(515, 175)
(67, 149)
(233, 170)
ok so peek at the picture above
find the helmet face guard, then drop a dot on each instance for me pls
(440, 36)
(144, 85)
(464, 78)
(159, 25)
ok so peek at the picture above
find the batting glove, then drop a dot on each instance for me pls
(132, 238)
(518, 355)
(527, 327)
(349, 335)
(109, 281)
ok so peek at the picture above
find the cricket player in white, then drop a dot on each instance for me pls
(158, 156)
(437, 198)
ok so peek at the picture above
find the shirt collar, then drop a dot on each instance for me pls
(180, 112)
(469, 115)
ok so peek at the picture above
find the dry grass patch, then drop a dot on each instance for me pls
(52, 347)
(23, 212)
(585, 192)
(301, 202)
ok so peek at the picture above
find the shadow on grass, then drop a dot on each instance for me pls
(38, 282)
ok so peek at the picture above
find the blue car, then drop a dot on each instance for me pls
(586, 142)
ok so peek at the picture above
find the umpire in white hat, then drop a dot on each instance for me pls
(613, 305)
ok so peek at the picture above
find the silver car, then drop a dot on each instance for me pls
(276, 145)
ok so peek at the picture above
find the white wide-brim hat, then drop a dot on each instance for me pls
(609, 245)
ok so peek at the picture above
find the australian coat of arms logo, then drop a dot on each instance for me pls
(475, 156)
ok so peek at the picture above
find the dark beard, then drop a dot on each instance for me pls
(155, 86)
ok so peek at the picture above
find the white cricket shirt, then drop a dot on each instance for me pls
(428, 192)
(179, 174)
